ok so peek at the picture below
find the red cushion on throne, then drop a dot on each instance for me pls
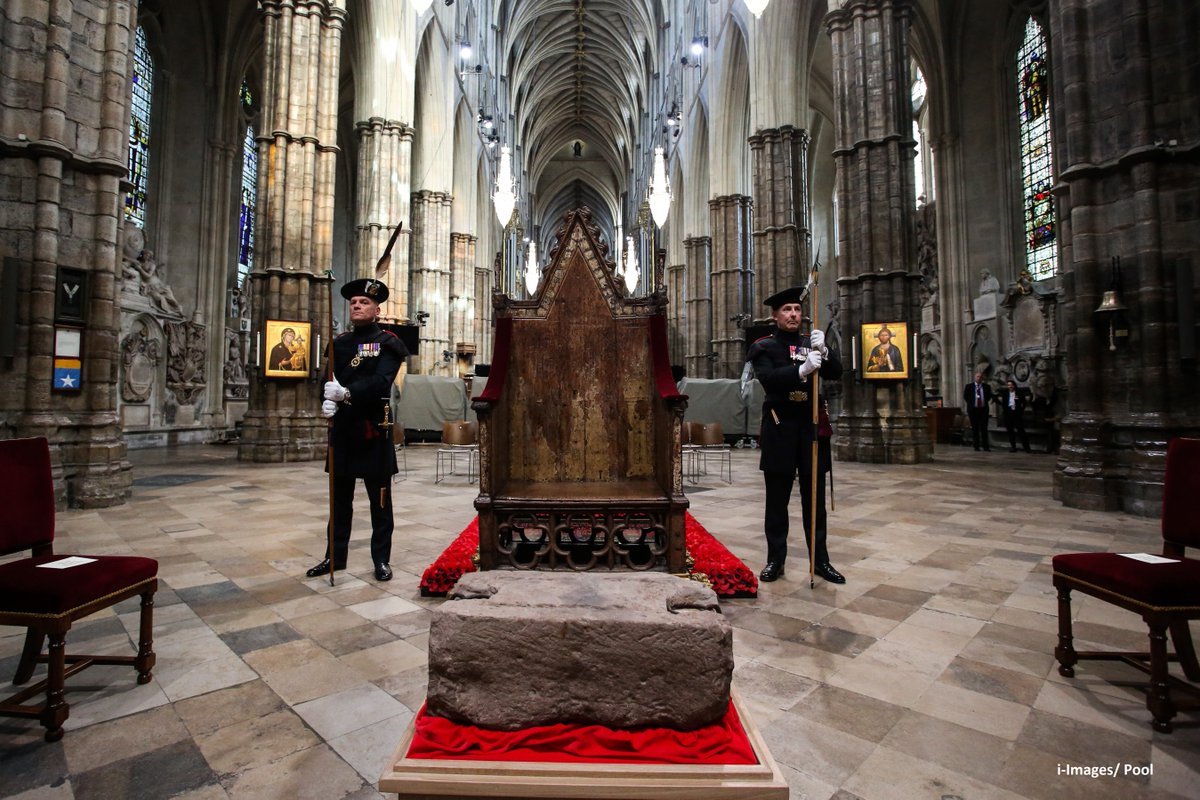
(26, 588)
(1160, 586)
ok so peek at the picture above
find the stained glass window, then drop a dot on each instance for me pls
(1037, 175)
(248, 193)
(139, 130)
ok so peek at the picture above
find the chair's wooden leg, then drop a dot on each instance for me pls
(1158, 698)
(1065, 652)
(1181, 636)
(56, 711)
(33, 648)
(144, 663)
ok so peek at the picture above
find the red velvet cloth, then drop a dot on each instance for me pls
(499, 369)
(725, 571)
(1181, 486)
(1160, 585)
(27, 494)
(664, 381)
(723, 742)
(26, 588)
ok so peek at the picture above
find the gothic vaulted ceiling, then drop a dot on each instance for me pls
(578, 72)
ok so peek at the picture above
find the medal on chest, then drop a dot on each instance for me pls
(365, 350)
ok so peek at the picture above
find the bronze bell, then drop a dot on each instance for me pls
(1112, 307)
(1110, 303)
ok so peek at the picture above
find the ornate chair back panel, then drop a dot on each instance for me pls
(27, 496)
(581, 391)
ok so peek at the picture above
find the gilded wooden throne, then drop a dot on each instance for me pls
(580, 423)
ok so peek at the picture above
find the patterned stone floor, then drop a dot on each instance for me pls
(928, 675)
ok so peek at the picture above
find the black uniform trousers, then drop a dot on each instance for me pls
(776, 522)
(379, 492)
(1014, 421)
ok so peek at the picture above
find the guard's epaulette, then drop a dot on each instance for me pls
(344, 333)
(389, 333)
(763, 338)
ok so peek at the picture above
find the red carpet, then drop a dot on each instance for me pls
(725, 572)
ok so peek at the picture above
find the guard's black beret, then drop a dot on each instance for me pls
(366, 287)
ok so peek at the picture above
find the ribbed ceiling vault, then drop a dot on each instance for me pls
(577, 70)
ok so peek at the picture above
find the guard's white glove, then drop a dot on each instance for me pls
(335, 391)
(817, 341)
(328, 409)
(811, 364)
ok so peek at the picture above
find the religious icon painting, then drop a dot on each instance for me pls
(885, 350)
(287, 348)
(68, 360)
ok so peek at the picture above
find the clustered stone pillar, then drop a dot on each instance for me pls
(484, 285)
(732, 281)
(292, 275)
(782, 235)
(1128, 156)
(384, 163)
(431, 279)
(698, 270)
(62, 207)
(462, 289)
(882, 420)
(676, 344)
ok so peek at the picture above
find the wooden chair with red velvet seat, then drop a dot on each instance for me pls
(46, 600)
(1166, 595)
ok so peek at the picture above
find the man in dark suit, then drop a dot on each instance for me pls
(1012, 410)
(977, 398)
(784, 364)
(366, 359)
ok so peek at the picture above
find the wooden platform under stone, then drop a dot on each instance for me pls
(461, 779)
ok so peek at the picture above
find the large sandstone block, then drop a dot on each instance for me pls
(514, 649)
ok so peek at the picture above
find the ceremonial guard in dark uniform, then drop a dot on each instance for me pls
(365, 362)
(784, 363)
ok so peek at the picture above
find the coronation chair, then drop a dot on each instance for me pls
(1165, 594)
(47, 600)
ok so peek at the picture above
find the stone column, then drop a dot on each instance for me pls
(384, 164)
(431, 279)
(698, 274)
(677, 329)
(732, 281)
(462, 289)
(64, 122)
(1128, 158)
(882, 421)
(297, 158)
(782, 235)
(483, 314)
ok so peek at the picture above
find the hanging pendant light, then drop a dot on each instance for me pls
(660, 189)
(757, 7)
(631, 265)
(532, 274)
(505, 195)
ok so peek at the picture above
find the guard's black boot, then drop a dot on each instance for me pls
(322, 569)
(383, 572)
(771, 572)
(830, 574)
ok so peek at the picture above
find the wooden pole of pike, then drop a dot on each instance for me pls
(381, 268)
(813, 466)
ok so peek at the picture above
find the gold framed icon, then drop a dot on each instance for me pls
(885, 354)
(287, 344)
